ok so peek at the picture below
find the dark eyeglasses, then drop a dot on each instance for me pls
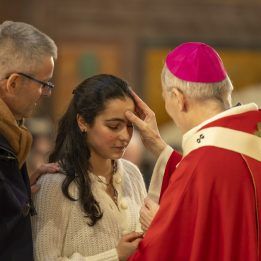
(47, 85)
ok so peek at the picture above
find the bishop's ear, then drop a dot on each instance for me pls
(180, 99)
(82, 123)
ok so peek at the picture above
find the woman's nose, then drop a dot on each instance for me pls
(126, 134)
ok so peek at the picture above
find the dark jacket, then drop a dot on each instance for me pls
(15, 208)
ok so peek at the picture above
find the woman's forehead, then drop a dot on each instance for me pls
(120, 104)
(118, 107)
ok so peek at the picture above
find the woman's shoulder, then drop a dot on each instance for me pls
(52, 179)
(130, 169)
(51, 184)
(128, 166)
(133, 177)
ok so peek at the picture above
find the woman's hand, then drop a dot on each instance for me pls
(128, 244)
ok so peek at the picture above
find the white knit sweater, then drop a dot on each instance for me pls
(60, 230)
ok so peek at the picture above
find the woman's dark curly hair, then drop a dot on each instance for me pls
(71, 149)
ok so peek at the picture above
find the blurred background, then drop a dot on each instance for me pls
(130, 39)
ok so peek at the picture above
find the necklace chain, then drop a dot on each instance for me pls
(114, 170)
(115, 192)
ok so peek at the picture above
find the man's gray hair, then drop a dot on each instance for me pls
(23, 47)
(197, 90)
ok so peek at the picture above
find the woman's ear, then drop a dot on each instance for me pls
(81, 123)
(180, 98)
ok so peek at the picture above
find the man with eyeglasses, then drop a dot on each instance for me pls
(26, 65)
(46, 86)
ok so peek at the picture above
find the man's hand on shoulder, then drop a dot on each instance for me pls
(43, 169)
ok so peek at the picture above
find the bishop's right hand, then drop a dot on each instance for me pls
(145, 121)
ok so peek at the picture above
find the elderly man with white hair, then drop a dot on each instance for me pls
(209, 207)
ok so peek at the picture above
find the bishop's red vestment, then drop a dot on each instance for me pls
(210, 206)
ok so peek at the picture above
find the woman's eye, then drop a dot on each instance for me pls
(113, 127)
(119, 126)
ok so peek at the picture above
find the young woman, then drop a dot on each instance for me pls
(85, 210)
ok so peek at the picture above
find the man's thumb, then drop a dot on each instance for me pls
(134, 119)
